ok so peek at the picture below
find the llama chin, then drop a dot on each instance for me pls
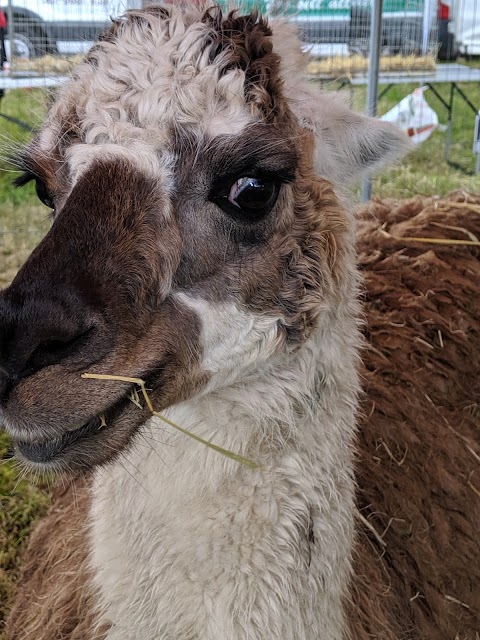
(200, 242)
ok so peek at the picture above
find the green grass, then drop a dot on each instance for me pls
(23, 221)
(21, 503)
(21, 228)
(425, 171)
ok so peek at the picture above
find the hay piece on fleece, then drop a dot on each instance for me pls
(419, 440)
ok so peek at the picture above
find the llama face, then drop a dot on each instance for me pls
(191, 237)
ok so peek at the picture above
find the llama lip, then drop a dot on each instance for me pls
(47, 450)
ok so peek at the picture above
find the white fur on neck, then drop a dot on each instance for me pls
(190, 545)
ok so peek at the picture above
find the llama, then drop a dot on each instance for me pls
(199, 243)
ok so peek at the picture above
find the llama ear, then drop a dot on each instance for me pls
(348, 145)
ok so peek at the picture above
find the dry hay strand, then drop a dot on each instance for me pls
(421, 376)
(47, 64)
(349, 65)
(148, 402)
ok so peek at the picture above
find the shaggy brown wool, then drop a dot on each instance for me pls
(418, 466)
(54, 599)
(419, 443)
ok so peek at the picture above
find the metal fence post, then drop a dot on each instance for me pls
(10, 30)
(476, 143)
(373, 70)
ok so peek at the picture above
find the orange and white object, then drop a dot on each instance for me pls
(414, 115)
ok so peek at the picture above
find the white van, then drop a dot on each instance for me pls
(467, 26)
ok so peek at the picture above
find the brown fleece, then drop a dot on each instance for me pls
(54, 596)
(419, 444)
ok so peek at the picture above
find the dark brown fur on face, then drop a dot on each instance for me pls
(249, 46)
(285, 265)
(417, 465)
(92, 297)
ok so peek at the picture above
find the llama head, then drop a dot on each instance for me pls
(196, 232)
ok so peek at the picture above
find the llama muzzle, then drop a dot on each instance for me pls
(99, 279)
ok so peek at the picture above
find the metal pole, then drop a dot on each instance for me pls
(11, 29)
(373, 70)
(427, 13)
(449, 121)
(476, 143)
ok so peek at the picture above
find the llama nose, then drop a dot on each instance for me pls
(36, 331)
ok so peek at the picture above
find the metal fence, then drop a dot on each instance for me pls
(41, 36)
(56, 27)
(416, 32)
(332, 27)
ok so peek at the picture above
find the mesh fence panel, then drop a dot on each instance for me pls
(60, 28)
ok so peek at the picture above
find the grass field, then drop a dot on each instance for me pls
(23, 221)
(21, 503)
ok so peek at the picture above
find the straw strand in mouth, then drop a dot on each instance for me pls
(135, 399)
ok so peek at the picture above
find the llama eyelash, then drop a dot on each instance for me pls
(222, 182)
(41, 188)
(24, 178)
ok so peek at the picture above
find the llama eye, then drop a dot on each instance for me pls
(248, 199)
(43, 193)
(253, 195)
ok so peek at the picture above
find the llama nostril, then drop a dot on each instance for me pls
(53, 346)
(56, 349)
(37, 331)
(4, 382)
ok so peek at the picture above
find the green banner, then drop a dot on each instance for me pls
(326, 8)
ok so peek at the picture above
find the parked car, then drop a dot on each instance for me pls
(60, 26)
